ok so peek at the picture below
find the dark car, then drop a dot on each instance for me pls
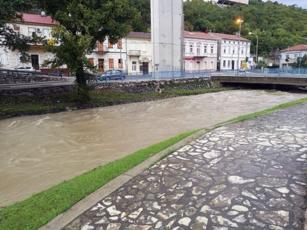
(112, 75)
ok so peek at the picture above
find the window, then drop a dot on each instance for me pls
(191, 48)
(224, 50)
(100, 46)
(242, 51)
(111, 63)
(205, 49)
(120, 63)
(31, 31)
(212, 49)
(224, 63)
(198, 49)
(101, 65)
(35, 61)
(120, 44)
(110, 45)
(46, 33)
(134, 66)
(233, 51)
(228, 63)
(91, 61)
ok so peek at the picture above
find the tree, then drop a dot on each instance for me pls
(302, 62)
(278, 26)
(8, 13)
(141, 22)
(81, 23)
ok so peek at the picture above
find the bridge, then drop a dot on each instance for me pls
(260, 79)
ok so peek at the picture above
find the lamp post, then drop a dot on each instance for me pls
(239, 22)
(257, 45)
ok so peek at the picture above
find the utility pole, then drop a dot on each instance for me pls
(239, 21)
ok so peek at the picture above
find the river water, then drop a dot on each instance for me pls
(37, 152)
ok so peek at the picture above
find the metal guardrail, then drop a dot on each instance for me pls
(263, 73)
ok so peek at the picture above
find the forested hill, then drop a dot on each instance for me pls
(278, 26)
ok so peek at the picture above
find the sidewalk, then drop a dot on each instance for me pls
(250, 175)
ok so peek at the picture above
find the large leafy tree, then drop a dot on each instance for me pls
(81, 23)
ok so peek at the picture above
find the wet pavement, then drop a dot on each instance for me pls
(37, 152)
(250, 175)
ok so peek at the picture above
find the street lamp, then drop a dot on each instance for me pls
(239, 22)
(257, 45)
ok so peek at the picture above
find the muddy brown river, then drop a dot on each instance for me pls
(37, 152)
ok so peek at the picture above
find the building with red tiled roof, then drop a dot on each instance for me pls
(201, 51)
(37, 19)
(291, 55)
(300, 47)
(28, 25)
(224, 50)
(230, 37)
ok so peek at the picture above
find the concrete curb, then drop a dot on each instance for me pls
(65, 218)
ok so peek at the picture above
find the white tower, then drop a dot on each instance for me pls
(167, 34)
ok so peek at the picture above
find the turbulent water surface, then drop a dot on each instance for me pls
(37, 152)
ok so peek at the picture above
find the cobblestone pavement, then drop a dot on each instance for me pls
(250, 175)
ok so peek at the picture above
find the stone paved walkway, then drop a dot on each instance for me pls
(250, 175)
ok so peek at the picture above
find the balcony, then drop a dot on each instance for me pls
(135, 53)
(100, 48)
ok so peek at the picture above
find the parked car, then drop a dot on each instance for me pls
(26, 68)
(112, 75)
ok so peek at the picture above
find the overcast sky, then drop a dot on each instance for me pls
(301, 3)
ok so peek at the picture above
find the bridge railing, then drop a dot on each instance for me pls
(167, 75)
(278, 71)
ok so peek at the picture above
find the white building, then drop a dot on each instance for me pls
(201, 51)
(108, 56)
(167, 34)
(29, 25)
(233, 51)
(291, 55)
(139, 53)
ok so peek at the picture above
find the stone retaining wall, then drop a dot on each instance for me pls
(154, 86)
(32, 92)
(27, 78)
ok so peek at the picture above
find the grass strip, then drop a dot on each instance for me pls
(255, 115)
(44, 206)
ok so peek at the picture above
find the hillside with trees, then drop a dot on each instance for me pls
(278, 26)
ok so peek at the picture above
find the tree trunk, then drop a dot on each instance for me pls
(83, 94)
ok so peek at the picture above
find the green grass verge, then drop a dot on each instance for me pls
(43, 207)
(252, 116)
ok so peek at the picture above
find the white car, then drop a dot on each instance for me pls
(25, 68)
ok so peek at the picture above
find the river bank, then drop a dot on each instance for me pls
(13, 106)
